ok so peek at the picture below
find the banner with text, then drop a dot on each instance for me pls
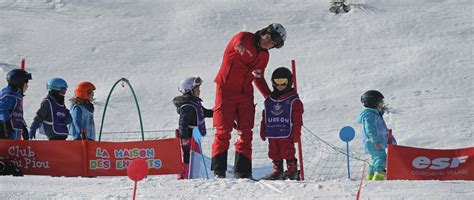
(409, 163)
(90, 158)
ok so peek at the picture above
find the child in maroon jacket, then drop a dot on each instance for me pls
(281, 124)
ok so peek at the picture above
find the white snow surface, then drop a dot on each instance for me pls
(419, 54)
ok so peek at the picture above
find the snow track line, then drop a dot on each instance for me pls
(263, 183)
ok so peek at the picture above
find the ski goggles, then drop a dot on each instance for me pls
(197, 82)
(277, 40)
(280, 81)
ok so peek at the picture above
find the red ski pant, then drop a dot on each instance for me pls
(242, 111)
(281, 148)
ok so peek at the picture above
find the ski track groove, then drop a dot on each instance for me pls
(271, 187)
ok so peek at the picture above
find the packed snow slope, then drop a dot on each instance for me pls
(419, 54)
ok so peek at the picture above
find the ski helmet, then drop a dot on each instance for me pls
(188, 84)
(371, 98)
(278, 33)
(281, 76)
(83, 89)
(57, 84)
(18, 77)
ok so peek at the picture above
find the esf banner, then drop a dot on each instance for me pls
(409, 163)
(89, 158)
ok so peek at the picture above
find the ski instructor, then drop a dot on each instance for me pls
(244, 61)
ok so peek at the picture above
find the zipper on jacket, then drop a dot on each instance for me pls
(228, 73)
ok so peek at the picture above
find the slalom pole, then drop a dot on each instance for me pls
(191, 160)
(300, 147)
(22, 64)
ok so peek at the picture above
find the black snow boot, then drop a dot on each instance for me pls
(219, 174)
(242, 166)
(219, 164)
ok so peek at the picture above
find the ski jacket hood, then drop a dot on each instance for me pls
(183, 99)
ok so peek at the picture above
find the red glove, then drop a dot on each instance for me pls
(262, 132)
(295, 137)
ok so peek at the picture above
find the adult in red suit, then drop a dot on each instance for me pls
(244, 61)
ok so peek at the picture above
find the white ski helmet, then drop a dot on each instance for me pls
(278, 34)
(188, 84)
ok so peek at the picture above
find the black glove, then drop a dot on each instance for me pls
(25, 133)
(7, 126)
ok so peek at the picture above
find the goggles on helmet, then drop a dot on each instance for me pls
(197, 81)
(277, 40)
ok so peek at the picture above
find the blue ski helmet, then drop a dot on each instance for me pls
(18, 77)
(56, 84)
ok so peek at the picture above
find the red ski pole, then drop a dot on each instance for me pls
(300, 147)
(22, 64)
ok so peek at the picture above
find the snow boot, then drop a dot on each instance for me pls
(277, 173)
(219, 174)
(379, 176)
(184, 172)
(369, 177)
(291, 169)
(239, 175)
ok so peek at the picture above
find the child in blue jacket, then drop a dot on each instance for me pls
(374, 132)
(82, 111)
(12, 123)
(52, 116)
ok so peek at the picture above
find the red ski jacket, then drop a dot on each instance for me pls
(238, 71)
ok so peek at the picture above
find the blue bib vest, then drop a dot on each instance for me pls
(58, 115)
(86, 125)
(278, 119)
(16, 116)
(201, 124)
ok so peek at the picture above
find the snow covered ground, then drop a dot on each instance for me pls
(419, 54)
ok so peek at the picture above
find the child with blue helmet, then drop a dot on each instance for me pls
(375, 133)
(53, 117)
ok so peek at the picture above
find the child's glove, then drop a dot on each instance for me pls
(295, 137)
(32, 134)
(262, 133)
(25, 133)
(7, 126)
(34, 126)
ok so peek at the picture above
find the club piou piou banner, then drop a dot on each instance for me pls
(90, 158)
(409, 163)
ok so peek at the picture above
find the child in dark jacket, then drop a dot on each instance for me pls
(281, 124)
(52, 117)
(12, 123)
(82, 111)
(191, 114)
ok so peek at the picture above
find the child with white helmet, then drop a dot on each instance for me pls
(191, 114)
(52, 116)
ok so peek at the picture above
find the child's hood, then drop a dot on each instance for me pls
(182, 99)
(365, 112)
